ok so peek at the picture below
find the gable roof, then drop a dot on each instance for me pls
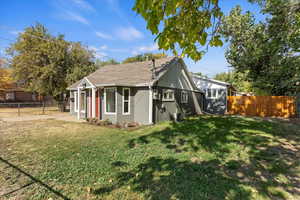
(129, 74)
(211, 80)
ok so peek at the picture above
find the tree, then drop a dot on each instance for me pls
(144, 57)
(48, 64)
(100, 63)
(236, 79)
(266, 51)
(188, 25)
(5, 75)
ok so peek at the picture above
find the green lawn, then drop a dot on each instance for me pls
(207, 157)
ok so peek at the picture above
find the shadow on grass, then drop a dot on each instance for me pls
(268, 168)
(34, 180)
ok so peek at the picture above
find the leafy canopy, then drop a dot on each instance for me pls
(267, 51)
(101, 63)
(48, 64)
(144, 57)
(236, 79)
(5, 75)
(181, 24)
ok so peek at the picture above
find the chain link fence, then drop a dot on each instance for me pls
(28, 108)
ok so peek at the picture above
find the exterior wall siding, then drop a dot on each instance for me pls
(174, 78)
(169, 110)
(72, 103)
(213, 105)
(217, 105)
(141, 105)
(125, 118)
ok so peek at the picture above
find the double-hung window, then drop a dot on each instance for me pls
(213, 93)
(168, 95)
(184, 97)
(110, 100)
(126, 101)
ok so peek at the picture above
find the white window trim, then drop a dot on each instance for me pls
(110, 113)
(123, 101)
(217, 93)
(187, 97)
(168, 90)
(76, 101)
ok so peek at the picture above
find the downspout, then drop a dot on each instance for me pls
(150, 105)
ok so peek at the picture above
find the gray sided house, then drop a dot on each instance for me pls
(216, 93)
(143, 92)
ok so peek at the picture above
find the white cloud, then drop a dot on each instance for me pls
(83, 5)
(69, 15)
(144, 49)
(100, 55)
(16, 32)
(153, 47)
(98, 51)
(104, 35)
(103, 47)
(128, 33)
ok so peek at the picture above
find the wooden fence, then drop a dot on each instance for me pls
(263, 106)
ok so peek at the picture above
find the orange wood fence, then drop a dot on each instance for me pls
(263, 106)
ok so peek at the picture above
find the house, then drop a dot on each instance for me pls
(13, 92)
(143, 92)
(216, 93)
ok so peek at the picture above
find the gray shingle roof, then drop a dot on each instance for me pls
(131, 74)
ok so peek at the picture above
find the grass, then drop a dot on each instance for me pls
(207, 157)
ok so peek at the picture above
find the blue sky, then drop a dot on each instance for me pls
(109, 27)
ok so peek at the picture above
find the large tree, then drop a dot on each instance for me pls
(5, 74)
(268, 51)
(182, 26)
(100, 63)
(237, 80)
(48, 64)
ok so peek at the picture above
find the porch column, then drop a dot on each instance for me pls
(73, 104)
(93, 102)
(78, 103)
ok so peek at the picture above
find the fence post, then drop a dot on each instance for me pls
(43, 107)
(19, 109)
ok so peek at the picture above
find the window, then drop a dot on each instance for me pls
(213, 93)
(184, 97)
(126, 101)
(110, 100)
(10, 96)
(168, 95)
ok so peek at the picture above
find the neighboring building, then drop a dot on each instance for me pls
(14, 93)
(216, 93)
(144, 92)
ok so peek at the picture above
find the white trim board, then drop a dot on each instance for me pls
(123, 101)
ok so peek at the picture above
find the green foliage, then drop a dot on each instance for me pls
(144, 57)
(268, 51)
(188, 25)
(237, 79)
(100, 63)
(46, 63)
